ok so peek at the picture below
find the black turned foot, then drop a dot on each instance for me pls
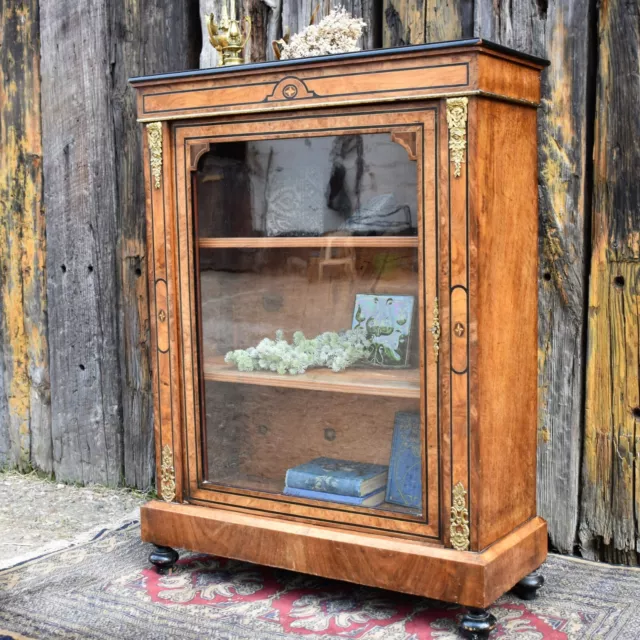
(528, 587)
(477, 624)
(163, 558)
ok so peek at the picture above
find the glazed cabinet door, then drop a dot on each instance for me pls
(307, 294)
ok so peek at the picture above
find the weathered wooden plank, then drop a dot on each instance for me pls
(80, 196)
(608, 528)
(102, 429)
(5, 442)
(448, 19)
(25, 428)
(610, 486)
(550, 30)
(410, 22)
(273, 26)
(159, 39)
(270, 18)
(404, 23)
(521, 24)
(258, 48)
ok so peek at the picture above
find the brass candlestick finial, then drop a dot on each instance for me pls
(226, 36)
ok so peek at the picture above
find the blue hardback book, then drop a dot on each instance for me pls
(405, 464)
(338, 477)
(371, 500)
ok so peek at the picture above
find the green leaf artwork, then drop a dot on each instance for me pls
(387, 320)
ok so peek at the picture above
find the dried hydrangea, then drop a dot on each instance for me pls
(336, 33)
(335, 351)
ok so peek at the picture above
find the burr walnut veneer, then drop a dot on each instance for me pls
(276, 194)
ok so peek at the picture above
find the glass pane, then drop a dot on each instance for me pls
(310, 349)
(363, 185)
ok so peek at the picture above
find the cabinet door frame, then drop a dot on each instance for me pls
(189, 141)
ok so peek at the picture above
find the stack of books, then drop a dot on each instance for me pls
(343, 481)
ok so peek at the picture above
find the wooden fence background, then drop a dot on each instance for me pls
(75, 393)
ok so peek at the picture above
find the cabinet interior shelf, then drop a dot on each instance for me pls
(312, 242)
(242, 482)
(396, 383)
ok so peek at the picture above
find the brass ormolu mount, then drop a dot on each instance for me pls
(226, 36)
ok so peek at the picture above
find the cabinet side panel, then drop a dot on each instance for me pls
(504, 221)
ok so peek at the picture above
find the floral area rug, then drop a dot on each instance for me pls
(105, 590)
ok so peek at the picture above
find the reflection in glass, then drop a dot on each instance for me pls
(351, 185)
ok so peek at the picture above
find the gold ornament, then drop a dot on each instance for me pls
(226, 36)
(457, 121)
(167, 475)
(459, 532)
(435, 329)
(154, 133)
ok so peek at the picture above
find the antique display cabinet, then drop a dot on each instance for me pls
(342, 261)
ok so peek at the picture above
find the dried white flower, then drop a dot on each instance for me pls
(335, 351)
(336, 33)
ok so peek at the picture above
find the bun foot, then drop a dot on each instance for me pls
(477, 624)
(528, 587)
(163, 559)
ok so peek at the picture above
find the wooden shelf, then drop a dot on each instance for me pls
(314, 242)
(396, 383)
(244, 482)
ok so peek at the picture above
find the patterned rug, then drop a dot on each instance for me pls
(104, 590)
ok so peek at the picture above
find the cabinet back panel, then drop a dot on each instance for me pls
(247, 294)
(263, 431)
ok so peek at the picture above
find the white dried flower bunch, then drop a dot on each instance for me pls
(338, 32)
(336, 351)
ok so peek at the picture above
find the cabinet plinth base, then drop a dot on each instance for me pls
(420, 568)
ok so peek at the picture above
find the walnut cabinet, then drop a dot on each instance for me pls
(342, 264)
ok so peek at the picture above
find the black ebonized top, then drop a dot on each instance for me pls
(355, 55)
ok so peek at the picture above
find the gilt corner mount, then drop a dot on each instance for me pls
(168, 475)
(457, 122)
(154, 132)
(459, 519)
